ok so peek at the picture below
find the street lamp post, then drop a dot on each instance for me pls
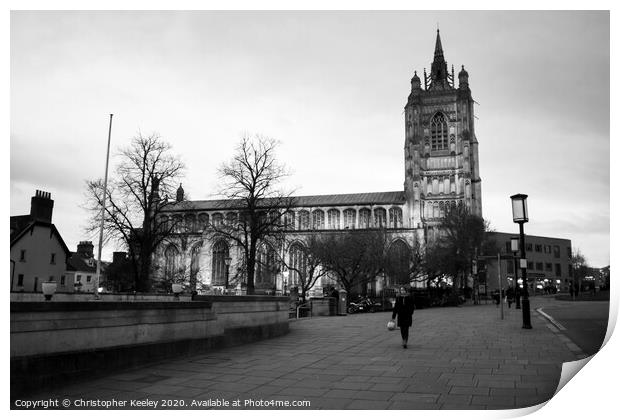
(285, 275)
(227, 261)
(514, 247)
(519, 215)
(474, 271)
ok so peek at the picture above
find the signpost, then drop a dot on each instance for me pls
(498, 257)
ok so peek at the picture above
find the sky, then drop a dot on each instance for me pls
(331, 86)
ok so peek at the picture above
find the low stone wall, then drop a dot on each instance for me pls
(106, 297)
(323, 306)
(55, 341)
(249, 318)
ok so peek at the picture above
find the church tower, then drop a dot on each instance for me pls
(441, 149)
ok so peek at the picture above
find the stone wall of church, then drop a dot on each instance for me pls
(193, 254)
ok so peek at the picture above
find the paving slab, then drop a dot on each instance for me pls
(458, 358)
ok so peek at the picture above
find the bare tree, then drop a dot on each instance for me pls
(580, 269)
(462, 234)
(146, 172)
(251, 181)
(405, 267)
(355, 257)
(305, 262)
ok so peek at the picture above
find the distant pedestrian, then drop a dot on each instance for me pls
(510, 296)
(496, 296)
(404, 309)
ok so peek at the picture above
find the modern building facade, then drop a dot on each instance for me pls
(548, 263)
(441, 169)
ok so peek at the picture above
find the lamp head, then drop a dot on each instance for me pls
(519, 208)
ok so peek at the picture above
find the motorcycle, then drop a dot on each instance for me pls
(355, 307)
(363, 305)
(370, 305)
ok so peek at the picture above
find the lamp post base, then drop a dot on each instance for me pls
(525, 304)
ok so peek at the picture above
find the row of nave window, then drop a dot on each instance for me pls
(300, 220)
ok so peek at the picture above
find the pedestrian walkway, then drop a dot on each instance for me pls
(458, 358)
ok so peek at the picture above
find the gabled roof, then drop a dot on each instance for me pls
(78, 263)
(20, 225)
(362, 199)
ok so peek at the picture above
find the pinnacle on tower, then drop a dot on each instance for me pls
(439, 68)
(438, 48)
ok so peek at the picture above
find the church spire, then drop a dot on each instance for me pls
(439, 68)
(438, 48)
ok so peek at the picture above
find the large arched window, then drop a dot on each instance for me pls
(349, 218)
(439, 132)
(218, 263)
(267, 268)
(396, 218)
(333, 219)
(397, 268)
(318, 219)
(194, 267)
(380, 217)
(297, 264)
(364, 218)
(304, 219)
(171, 262)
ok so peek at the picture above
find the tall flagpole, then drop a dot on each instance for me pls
(105, 191)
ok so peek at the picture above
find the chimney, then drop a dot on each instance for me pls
(41, 206)
(85, 249)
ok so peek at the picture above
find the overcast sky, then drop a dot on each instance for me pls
(331, 86)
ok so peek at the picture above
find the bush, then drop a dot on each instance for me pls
(451, 299)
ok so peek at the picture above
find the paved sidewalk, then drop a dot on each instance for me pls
(458, 358)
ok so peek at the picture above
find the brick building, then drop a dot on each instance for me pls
(548, 263)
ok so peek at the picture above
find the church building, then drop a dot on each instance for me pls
(441, 169)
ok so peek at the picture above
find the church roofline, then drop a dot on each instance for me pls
(329, 200)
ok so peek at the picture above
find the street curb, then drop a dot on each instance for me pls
(550, 319)
(557, 329)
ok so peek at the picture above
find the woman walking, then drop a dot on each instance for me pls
(404, 309)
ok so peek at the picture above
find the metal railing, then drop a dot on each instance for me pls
(307, 305)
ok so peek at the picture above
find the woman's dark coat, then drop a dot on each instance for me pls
(404, 309)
